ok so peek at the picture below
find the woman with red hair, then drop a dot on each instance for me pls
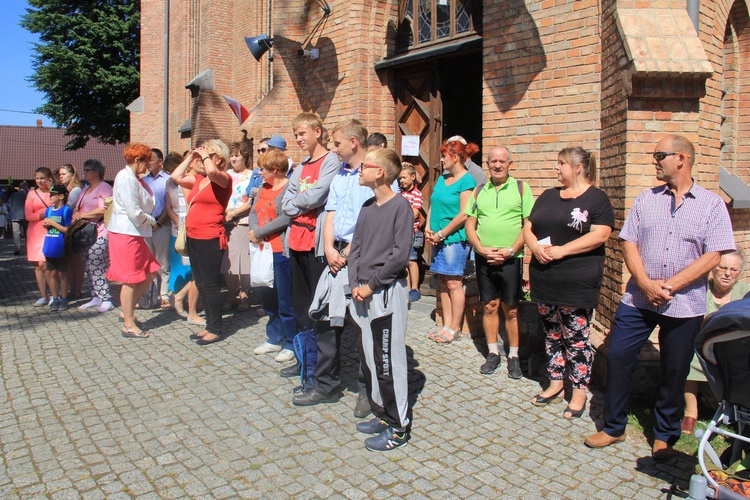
(131, 261)
(445, 230)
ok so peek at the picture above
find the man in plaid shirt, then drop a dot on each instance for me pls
(674, 235)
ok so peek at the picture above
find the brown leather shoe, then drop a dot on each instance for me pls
(688, 425)
(601, 440)
(662, 450)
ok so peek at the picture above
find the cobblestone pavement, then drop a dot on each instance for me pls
(85, 413)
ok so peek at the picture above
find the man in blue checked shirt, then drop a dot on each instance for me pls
(345, 200)
(674, 235)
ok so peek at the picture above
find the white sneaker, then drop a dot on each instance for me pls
(95, 302)
(284, 356)
(106, 306)
(40, 302)
(51, 299)
(266, 348)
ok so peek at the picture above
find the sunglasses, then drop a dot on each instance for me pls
(660, 155)
(368, 165)
(261, 150)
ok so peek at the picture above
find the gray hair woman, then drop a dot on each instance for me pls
(723, 288)
(91, 207)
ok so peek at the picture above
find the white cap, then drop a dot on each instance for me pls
(457, 138)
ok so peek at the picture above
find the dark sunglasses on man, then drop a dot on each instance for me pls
(660, 155)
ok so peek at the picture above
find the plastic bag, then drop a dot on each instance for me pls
(261, 264)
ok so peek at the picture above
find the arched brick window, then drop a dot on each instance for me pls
(429, 22)
(735, 122)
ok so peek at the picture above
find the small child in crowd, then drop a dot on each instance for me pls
(377, 262)
(407, 180)
(57, 218)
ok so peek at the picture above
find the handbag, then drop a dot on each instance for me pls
(110, 204)
(261, 264)
(180, 243)
(85, 236)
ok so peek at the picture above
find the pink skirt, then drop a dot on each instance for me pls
(130, 259)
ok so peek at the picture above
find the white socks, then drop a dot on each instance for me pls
(513, 352)
(95, 302)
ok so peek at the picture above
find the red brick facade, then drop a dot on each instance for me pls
(611, 75)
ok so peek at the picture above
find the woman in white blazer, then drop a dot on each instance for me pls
(131, 261)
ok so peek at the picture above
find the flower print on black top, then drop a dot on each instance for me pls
(564, 220)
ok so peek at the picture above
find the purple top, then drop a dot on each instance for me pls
(669, 239)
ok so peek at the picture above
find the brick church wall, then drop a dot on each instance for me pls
(553, 76)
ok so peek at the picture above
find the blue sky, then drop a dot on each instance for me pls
(16, 93)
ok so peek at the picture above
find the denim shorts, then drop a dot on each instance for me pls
(450, 260)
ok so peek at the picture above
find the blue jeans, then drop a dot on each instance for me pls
(277, 302)
(631, 330)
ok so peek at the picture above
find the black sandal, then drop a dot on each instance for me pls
(570, 414)
(540, 400)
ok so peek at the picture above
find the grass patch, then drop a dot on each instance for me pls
(642, 420)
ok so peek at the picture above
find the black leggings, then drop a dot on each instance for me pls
(205, 262)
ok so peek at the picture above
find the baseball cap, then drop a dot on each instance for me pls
(58, 189)
(277, 142)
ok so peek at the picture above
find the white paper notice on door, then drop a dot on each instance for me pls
(409, 145)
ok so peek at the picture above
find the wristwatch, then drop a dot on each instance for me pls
(342, 252)
(511, 252)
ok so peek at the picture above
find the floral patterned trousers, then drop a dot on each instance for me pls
(567, 343)
(96, 263)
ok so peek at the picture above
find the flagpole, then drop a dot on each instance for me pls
(166, 77)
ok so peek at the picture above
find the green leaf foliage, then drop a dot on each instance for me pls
(87, 65)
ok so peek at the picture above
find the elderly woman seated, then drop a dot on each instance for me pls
(723, 288)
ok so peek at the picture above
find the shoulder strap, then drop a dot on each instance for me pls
(476, 193)
(80, 197)
(196, 195)
(40, 198)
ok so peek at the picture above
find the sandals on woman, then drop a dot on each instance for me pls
(540, 400)
(446, 336)
(130, 334)
(569, 413)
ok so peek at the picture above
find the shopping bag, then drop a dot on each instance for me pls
(261, 264)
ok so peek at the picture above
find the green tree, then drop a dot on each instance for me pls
(86, 64)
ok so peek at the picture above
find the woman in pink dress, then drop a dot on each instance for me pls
(90, 207)
(37, 202)
(130, 260)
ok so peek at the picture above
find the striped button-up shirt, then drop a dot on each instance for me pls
(670, 238)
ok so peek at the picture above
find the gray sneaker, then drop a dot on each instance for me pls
(362, 408)
(514, 368)
(489, 366)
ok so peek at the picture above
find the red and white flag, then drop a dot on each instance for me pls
(239, 110)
